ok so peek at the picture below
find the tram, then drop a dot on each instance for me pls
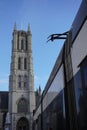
(63, 104)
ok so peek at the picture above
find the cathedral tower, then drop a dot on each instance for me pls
(21, 81)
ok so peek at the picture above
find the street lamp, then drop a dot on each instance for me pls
(52, 37)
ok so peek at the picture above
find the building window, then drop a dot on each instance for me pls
(25, 78)
(25, 85)
(19, 77)
(19, 81)
(25, 63)
(19, 84)
(25, 81)
(83, 68)
(22, 105)
(22, 44)
(26, 46)
(18, 45)
(19, 63)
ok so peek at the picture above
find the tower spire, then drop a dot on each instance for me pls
(28, 28)
(15, 28)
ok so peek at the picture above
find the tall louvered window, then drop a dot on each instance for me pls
(25, 63)
(22, 44)
(19, 63)
(25, 81)
(26, 46)
(18, 45)
(19, 81)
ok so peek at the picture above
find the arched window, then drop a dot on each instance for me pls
(25, 63)
(22, 105)
(19, 63)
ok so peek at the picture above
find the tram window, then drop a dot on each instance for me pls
(85, 75)
(83, 67)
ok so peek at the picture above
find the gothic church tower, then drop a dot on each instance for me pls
(21, 81)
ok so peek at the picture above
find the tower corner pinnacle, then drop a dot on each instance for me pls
(15, 28)
(28, 27)
(29, 30)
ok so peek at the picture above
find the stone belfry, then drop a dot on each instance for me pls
(21, 81)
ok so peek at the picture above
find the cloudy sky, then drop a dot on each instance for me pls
(45, 17)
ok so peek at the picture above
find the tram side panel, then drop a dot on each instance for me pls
(79, 64)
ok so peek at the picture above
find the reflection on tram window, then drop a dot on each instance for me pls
(83, 68)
